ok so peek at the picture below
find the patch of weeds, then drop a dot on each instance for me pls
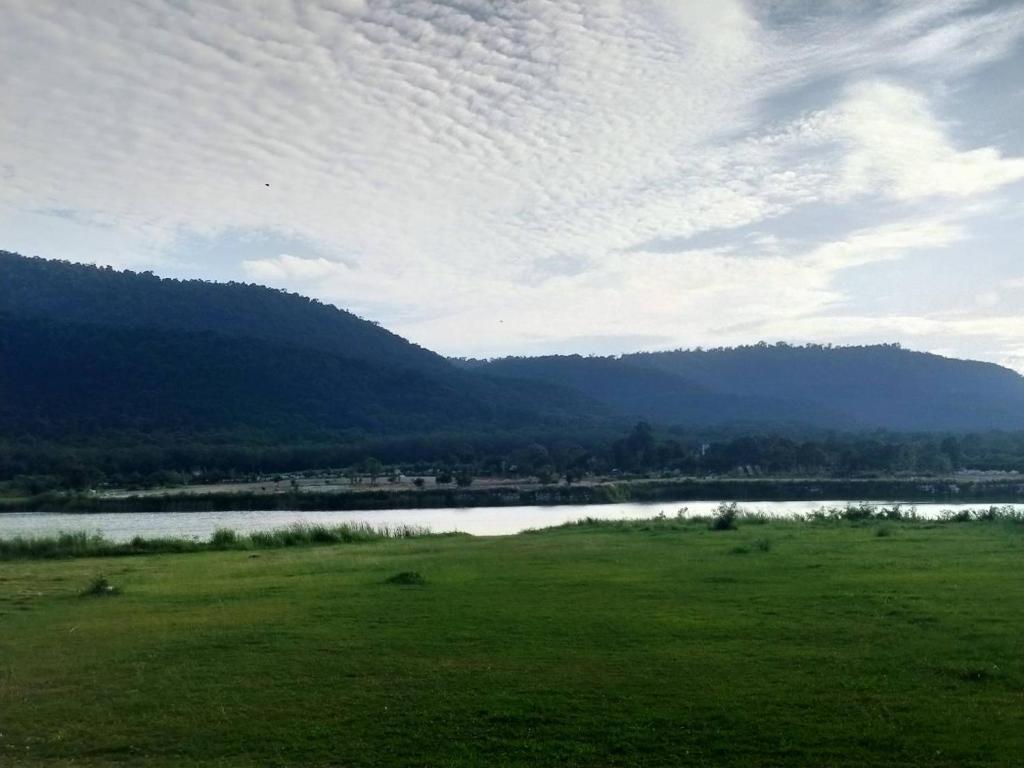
(976, 674)
(758, 545)
(407, 578)
(223, 538)
(725, 517)
(100, 587)
(882, 531)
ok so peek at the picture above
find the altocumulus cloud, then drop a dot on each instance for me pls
(493, 177)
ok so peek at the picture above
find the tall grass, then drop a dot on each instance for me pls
(728, 516)
(864, 512)
(82, 544)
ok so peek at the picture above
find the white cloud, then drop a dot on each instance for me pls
(457, 164)
(901, 149)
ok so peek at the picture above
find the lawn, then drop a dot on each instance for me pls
(653, 644)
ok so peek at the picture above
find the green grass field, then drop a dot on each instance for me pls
(651, 644)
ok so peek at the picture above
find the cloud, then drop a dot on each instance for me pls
(551, 164)
(900, 149)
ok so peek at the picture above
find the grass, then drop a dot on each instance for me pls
(82, 544)
(639, 643)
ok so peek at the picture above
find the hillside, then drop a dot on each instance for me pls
(87, 349)
(101, 296)
(851, 388)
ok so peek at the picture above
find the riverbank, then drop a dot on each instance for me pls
(662, 642)
(933, 490)
(63, 543)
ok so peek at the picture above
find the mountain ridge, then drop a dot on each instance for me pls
(86, 346)
(843, 387)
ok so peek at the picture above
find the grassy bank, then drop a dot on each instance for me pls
(729, 489)
(840, 642)
(83, 544)
(728, 516)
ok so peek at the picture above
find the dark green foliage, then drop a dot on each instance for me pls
(407, 578)
(988, 515)
(224, 538)
(100, 587)
(725, 517)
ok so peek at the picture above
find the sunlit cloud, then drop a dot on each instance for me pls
(493, 178)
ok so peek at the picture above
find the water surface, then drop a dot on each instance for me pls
(479, 521)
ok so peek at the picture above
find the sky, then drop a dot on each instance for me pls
(545, 176)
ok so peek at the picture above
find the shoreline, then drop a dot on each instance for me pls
(935, 490)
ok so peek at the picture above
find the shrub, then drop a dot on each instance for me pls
(406, 578)
(725, 517)
(99, 587)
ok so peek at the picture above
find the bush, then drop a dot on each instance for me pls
(99, 587)
(725, 517)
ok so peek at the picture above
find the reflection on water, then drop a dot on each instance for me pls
(479, 521)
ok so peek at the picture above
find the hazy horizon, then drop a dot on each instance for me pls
(489, 179)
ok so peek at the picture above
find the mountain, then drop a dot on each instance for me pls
(86, 349)
(102, 296)
(849, 388)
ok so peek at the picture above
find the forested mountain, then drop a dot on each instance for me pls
(102, 296)
(851, 388)
(86, 349)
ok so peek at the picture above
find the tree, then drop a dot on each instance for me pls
(372, 467)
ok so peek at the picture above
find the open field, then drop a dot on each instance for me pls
(658, 643)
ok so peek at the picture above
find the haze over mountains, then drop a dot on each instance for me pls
(85, 348)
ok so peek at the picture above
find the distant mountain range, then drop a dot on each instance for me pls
(84, 348)
(847, 388)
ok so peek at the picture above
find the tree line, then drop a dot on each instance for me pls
(34, 465)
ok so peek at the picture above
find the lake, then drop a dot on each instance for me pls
(479, 521)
